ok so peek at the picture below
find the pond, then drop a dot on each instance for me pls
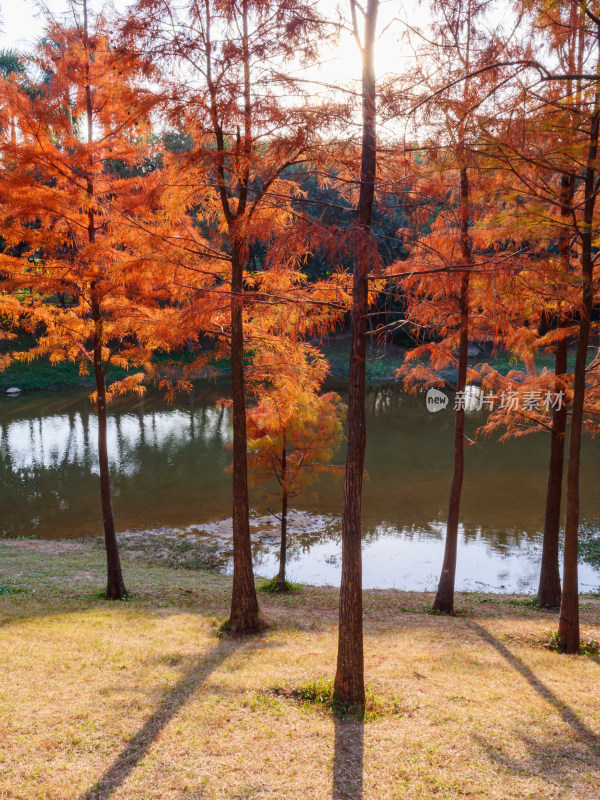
(169, 463)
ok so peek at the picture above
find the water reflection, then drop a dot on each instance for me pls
(168, 466)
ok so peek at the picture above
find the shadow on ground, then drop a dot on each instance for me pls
(348, 759)
(558, 753)
(173, 701)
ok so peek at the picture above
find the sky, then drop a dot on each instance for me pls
(17, 20)
(22, 24)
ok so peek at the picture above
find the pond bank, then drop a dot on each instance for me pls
(165, 548)
(383, 361)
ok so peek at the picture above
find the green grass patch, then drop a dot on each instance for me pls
(524, 602)
(101, 595)
(428, 608)
(319, 693)
(12, 590)
(587, 647)
(272, 586)
(41, 374)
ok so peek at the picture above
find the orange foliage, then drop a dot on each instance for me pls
(97, 276)
(293, 431)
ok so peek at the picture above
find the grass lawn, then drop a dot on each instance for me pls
(140, 700)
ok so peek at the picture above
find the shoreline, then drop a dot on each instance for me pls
(382, 363)
(178, 555)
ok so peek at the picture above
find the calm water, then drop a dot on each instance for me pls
(169, 474)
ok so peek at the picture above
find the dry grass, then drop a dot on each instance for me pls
(141, 701)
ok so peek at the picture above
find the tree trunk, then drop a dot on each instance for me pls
(549, 587)
(549, 594)
(115, 587)
(349, 687)
(244, 616)
(284, 510)
(281, 585)
(444, 599)
(568, 624)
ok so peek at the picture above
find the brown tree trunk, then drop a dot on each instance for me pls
(444, 599)
(284, 510)
(549, 588)
(568, 624)
(549, 593)
(281, 585)
(115, 587)
(244, 616)
(349, 687)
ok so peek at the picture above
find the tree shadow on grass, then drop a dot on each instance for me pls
(584, 733)
(348, 759)
(173, 701)
(558, 762)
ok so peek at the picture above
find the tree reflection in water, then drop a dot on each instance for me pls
(168, 466)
